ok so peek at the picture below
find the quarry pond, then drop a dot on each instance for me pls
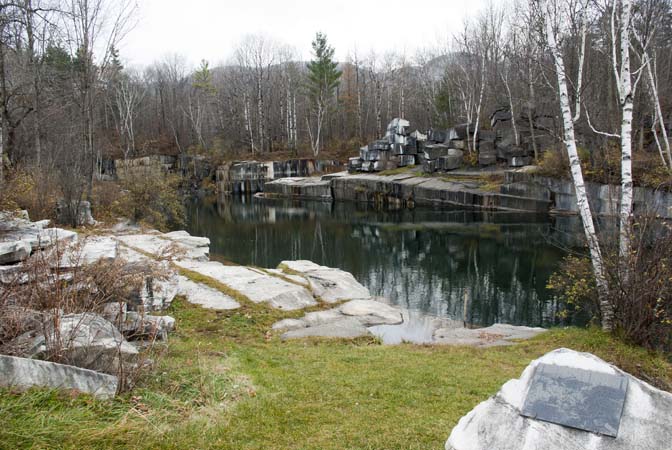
(477, 268)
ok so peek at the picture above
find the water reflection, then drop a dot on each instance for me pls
(476, 268)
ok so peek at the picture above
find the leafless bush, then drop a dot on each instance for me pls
(57, 285)
(640, 285)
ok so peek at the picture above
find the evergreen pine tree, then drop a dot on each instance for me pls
(323, 78)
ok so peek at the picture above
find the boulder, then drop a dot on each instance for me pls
(141, 326)
(497, 423)
(15, 251)
(372, 312)
(330, 285)
(88, 341)
(24, 373)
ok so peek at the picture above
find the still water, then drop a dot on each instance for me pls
(473, 267)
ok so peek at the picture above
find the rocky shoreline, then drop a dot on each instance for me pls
(516, 191)
(109, 341)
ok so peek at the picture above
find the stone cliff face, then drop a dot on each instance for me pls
(250, 177)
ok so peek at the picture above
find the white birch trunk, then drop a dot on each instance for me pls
(480, 102)
(626, 136)
(577, 174)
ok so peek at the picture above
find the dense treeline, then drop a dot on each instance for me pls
(66, 100)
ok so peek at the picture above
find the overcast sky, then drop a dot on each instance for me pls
(210, 29)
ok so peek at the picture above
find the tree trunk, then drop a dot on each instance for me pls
(606, 309)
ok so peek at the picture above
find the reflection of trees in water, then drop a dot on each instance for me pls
(480, 268)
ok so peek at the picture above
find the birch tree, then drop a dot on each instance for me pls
(551, 17)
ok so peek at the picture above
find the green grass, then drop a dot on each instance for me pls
(225, 382)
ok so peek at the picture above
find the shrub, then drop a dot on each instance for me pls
(32, 190)
(153, 200)
(640, 286)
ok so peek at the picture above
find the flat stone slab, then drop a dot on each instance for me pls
(492, 336)
(24, 373)
(174, 246)
(330, 285)
(205, 296)
(344, 328)
(90, 251)
(349, 320)
(497, 423)
(258, 286)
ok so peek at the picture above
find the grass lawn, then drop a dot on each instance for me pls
(226, 383)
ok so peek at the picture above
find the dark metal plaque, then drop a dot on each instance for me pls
(576, 398)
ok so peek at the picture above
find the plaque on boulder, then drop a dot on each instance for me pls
(576, 398)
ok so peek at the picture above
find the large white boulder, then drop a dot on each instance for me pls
(24, 373)
(329, 284)
(256, 285)
(646, 421)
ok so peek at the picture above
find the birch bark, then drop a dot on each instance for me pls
(577, 174)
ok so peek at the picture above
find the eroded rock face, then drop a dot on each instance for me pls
(331, 285)
(24, 373)
(646, 421)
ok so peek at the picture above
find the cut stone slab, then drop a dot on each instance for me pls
(40, 238)
(497, 423)
(205, 296)
(344, 328)
(158, 246)
(13, 252)
(91, 251)
(492, 336)
(185, 238)
(24, 373)
(88, 341)
(371, 312)
(259, 287)
(349, 320)
(331, 285)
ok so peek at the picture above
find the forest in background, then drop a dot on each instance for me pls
(67, 102)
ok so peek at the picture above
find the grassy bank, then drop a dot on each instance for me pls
(226, 383)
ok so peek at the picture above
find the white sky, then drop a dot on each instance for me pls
(210, 29)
